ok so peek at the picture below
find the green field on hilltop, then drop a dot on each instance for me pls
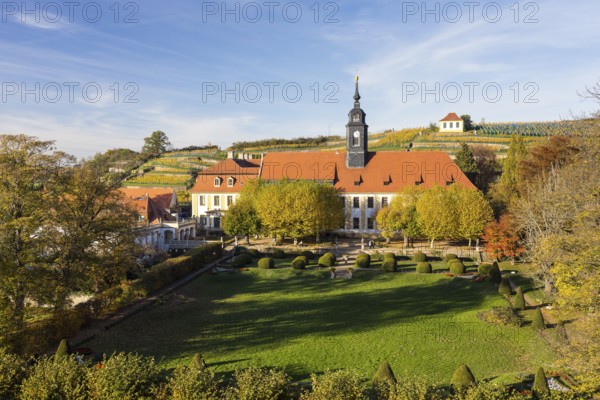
(303, 321)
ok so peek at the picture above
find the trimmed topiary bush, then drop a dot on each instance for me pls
(299, 262)
(424, 268)
(330, 255)
(309, 255)
(242, 260)
(326, 261)
(419, 256)
(462, 379)
(389, 256)
(457, 267)
(389, 265)
(254, 253)
(538, 322)
(495, 275)
(484, 269)
(449, 257)
(363, 260)
(505, 289)
(383, 375)
(540, 387)
(62, 350)
(279, 254)
(519, 300)
(266, 263)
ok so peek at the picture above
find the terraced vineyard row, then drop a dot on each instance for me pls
(550, 128)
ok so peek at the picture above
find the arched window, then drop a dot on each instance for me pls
(230, 182)
(217, 182)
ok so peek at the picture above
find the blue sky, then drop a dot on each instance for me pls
(169, 62)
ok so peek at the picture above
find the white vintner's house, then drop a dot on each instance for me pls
(367, 180)
(452, 123)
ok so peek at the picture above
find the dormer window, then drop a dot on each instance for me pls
(230, 182)
(217, 182)
(356, 118)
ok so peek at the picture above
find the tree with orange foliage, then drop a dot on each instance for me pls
(502, 240)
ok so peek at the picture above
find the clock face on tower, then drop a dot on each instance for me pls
(356, 138)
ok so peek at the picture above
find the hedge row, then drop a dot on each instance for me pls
(39, 336)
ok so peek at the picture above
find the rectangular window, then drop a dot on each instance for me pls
(384, 202)
(356, 202)
(229, 201)
(444, 125)
(217, 201)
(202, 200)
(217, 222)
(370, 202)
(369, 223)
(355, 223)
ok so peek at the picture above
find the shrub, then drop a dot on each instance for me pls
(538, 322)
(257, 383)
(486, 390)
(384, 374)
(390, 265)
(363, 260)
(326, 261)
(338, 385)
(299, 262)
(266, 263)
(308, 254)
(457, 267)
(63, 349)
(330, 255)
(389, 256)
(239, 250)
(242, 260)
(504, 288)
(495, 275)
(462, 379)
(519, 300)
(195, 381)
(484, 269)
(540, 384)
(254, 253)
(424, 268)
(125, 376)
(60, 378)
(504, 316)
(279, 254)
(419, 256)
(12, 372)
(449, 257)
(409, 389)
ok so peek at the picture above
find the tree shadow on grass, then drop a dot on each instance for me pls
(229, 313)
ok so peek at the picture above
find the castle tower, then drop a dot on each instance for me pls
(357, 135)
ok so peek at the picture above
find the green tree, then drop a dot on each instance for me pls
(466, 161)
(29, 185)
(519, 301)
(437, 213)
(242, 220)
(488, 168)
(63, 349)
(467, 122)
(506, 189)
(299, 208)
(156, 144)
(384, 374)
(474, 213)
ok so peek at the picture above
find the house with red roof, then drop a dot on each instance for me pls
(452, 123)
(158, 222)
(368, 181)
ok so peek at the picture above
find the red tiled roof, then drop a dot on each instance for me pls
(385, 172)
(162, 196)
(240, 170)
(451, 117)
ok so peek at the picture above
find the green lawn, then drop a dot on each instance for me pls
(305, 322)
